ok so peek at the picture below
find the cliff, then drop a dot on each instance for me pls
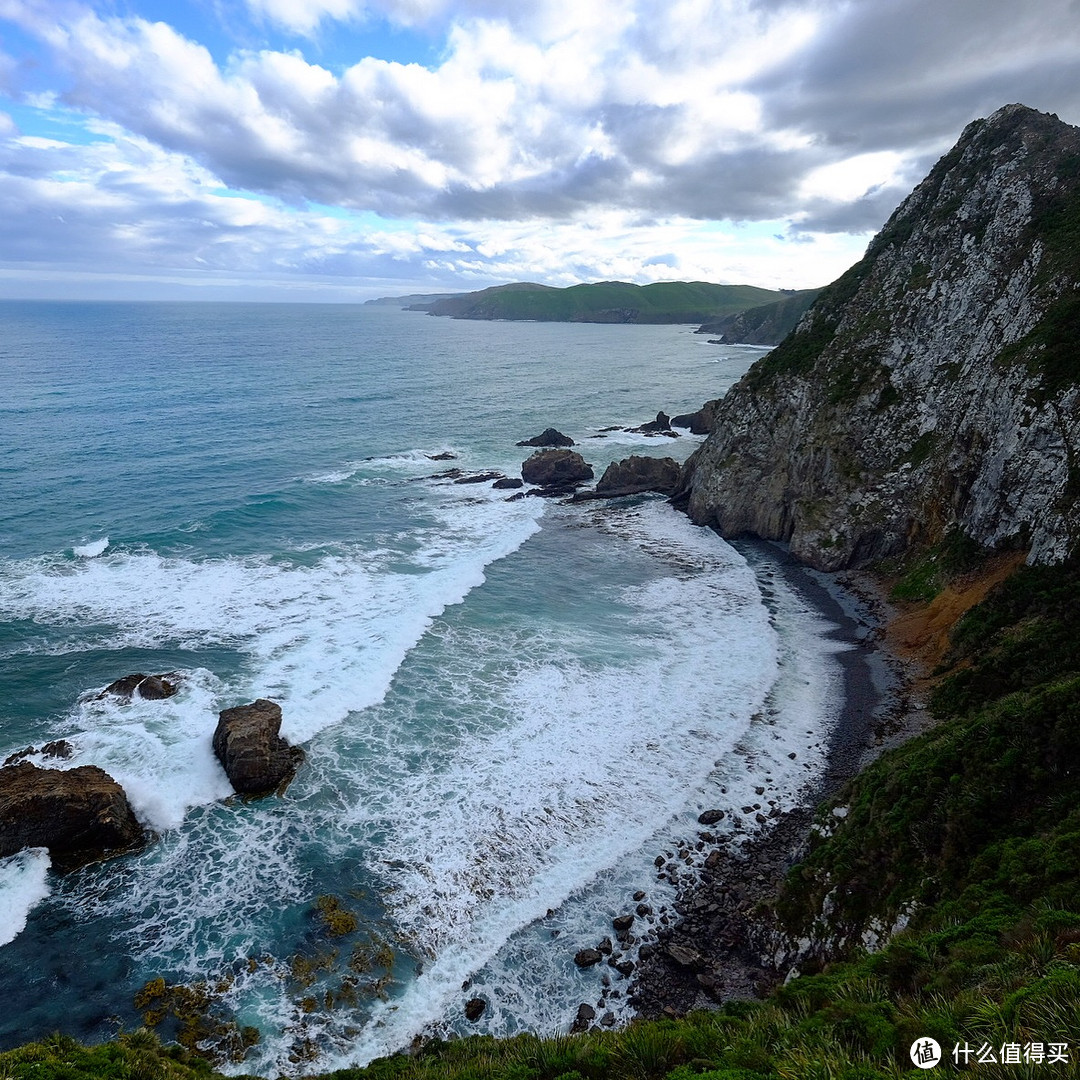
(933, 387)
(766, 324)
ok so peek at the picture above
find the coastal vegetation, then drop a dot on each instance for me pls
(604, 302)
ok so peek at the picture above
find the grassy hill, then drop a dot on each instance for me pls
(604, 302)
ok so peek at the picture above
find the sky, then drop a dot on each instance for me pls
(339, 150)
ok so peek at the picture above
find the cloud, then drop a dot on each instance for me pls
(543, 137)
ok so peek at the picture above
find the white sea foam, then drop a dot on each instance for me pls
(321, 640)
(91, 550)
(23, 883)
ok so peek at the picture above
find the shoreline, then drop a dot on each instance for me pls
(718, 950)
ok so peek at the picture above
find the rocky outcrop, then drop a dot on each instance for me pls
(636, 474)
(660, 426)
(147, 687)
(556, 469)
(548, 437)
(933, 388)
(700, 422)
(80, 815)
(255, 757)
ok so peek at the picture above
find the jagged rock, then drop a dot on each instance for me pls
(606, 946)
(148, 687)
(474, 1009)
(586, 1012)
(710, 817)
(507, 482)
(930, 390)
(80, 814)
(637, 474)
(255, 758)
(556, 469)
(549, 437)
(587, 957)
(60, 749)
(622, 923)
(660, 426)
(444, 456)
(700, 422)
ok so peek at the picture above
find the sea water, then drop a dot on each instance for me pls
(509, 707)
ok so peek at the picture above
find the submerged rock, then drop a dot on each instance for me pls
(80, 815)
(556, 469)
(548, 437)
(255, 757)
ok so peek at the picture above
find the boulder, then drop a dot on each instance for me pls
(710, 817)
(148, 687)
(255, 757)
(58, 748)
(637, 474)
(587, 957)
(622, 923)
(474, 1009)
(548, 437)
(660, 426)
(556, 469)
(507, 482)
(80, 815)
(444, 456)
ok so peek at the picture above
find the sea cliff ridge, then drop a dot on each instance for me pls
(933, 387)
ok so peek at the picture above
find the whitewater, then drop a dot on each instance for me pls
(509, 707)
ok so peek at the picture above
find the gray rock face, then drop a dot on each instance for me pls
(255, 757)
(934, 386)
(636, 474)
(80, 815)
(556, 469)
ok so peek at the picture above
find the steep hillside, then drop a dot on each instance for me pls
(604, 302)
(933, 387)
(764, 325)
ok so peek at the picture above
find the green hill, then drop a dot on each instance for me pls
(604, 302)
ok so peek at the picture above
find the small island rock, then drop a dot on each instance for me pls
(548, 437)
(556, 469)
(255, 757)
(148, 687)
(80, 814)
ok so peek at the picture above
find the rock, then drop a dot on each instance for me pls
(636, 474)
(549, 437)
(474, 1009)
(444, 456)
(644, 910)
(684, 957)
(608, 1019)
(80, 815)
(605, 947)
(479, 478)
(640, 894)
(624, 968)
(255, 758)
(587, 957)
(506, 482)
(710, 817)
(586, 1012)
(700, 422)
(660, 426)
(148, 687)
(556, 469)
(60, 749)
(622, 923)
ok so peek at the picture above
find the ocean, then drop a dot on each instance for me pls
(509, 708)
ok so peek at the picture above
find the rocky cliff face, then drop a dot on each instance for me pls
(936, 385)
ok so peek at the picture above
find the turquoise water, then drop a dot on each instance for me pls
(508, 707)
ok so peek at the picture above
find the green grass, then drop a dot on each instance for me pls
(608, 301)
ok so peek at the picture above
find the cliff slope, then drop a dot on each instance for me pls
(932, 387)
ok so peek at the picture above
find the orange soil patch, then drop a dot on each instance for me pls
(922, 633)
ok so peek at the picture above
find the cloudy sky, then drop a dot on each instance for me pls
(344, 149)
